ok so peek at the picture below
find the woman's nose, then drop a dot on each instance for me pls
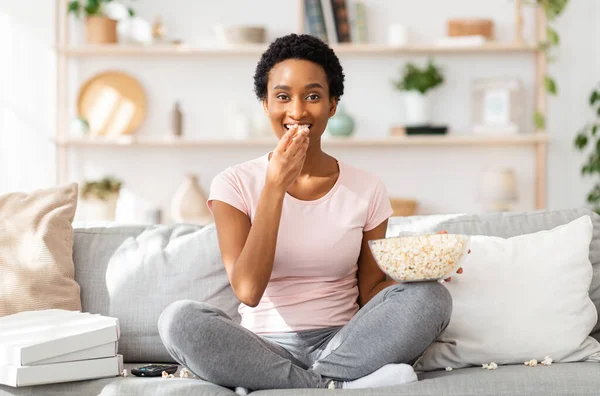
(297, 109)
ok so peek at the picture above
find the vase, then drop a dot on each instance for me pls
(417, 109)
(135, 30)
(189, 203)
(177, 119)
(341, 124)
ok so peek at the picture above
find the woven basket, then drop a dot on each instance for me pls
(471, 27)
(403, 207)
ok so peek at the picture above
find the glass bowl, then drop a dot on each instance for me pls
(420, 257)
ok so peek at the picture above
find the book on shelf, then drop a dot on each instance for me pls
(341, 20)
(357, 14)
(54, 335)
(315, 20)
(329, 20)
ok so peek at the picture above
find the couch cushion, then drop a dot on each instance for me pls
(133, 273)
(507, 225)
(36, 250)
(581, 379)
(130, 385)
(517, 294)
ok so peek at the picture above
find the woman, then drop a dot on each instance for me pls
(293, 226)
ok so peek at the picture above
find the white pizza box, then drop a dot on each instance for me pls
(33, 336)
(61, 372)
(100, 351)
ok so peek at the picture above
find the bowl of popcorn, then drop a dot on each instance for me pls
(413, 257)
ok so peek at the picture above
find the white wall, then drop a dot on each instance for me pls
(442, 179)
(27, 95)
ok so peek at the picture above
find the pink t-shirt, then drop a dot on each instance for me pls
(313, 284)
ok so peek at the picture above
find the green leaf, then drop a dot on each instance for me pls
(131, 12)
(550, 85)
(553, 37)
(93, 7)
(74, 7)
(594, 129)
(584, 170)
(553, 8)
(581, 140)
(540, 121)
(594, 97)
(598, 111)
(594, 195)
(420, 79)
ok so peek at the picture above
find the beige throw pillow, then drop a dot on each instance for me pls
(36, 251)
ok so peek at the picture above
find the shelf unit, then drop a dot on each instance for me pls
(538, 139)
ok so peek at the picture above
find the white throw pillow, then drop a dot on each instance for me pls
(521, 298)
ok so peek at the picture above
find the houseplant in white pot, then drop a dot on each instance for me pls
(416, 83)
(102, 17)
(99, 199)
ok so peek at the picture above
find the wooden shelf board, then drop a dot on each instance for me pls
(433, 140)
(257, 49)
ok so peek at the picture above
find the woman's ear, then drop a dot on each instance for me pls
(333, 102)
(265, 104)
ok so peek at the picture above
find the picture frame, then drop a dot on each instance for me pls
(497, 106)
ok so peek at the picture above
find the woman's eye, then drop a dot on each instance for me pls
(282, 96)
(314, 97)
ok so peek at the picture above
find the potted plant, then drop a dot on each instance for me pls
(416, 83)
(101, 18)
(99, 198)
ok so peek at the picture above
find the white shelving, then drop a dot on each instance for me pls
(537, 140)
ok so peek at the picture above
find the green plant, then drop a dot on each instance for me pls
(588, 135)
(90, 7)
(552, 9)
(422, 80)
(102, 188)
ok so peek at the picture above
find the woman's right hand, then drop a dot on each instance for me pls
(287, 159)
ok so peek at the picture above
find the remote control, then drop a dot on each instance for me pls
(154, 370)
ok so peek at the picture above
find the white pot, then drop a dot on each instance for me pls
(94, 209)
(417, 109)
(135, 30)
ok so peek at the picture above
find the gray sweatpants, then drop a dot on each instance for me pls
(396, 326)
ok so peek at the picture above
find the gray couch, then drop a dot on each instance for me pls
(133, 273)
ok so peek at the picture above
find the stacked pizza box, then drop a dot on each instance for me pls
(54, 345)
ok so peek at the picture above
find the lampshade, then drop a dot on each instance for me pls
(498, 185)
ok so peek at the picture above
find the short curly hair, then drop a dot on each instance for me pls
(299, 46)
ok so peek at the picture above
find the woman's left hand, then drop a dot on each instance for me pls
(460, 270)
